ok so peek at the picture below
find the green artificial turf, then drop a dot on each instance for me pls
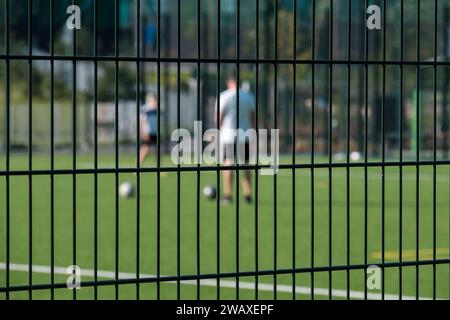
(208, 241)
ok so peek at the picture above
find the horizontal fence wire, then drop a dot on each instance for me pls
(241, 167)
(235, 61)
(162, 279)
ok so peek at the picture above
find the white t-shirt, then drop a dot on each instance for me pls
(228, 108)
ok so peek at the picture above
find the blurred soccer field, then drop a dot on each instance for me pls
(63, 213)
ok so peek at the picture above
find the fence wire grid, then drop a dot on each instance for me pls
(363, 178)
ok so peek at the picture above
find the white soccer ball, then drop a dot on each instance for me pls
(355, 156)
(209, 192)
(126, 190)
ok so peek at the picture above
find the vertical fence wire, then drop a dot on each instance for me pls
(418, 145)
(74, 150)
(330, 151)
(218, 154)
(275, 191)
(313, 134)
(178, 150)
(383, 150)
(199, 85)
(8, 150)
(95, 150)
(158, 162)
(349, 48)
(257, 155)
(400, 192)
(366, 139)
(294, 140)
(30, 149)
(116, 144)
(236, 162)
(52, 154)
(138, 162)
(434, 142)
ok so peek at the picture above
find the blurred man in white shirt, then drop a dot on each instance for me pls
(229, 140)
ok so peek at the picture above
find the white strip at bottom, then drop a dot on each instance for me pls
(337, 293)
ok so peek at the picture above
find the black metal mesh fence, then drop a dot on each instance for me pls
(363, 119)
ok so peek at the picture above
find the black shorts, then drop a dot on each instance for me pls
(153, 140)
(244, 148)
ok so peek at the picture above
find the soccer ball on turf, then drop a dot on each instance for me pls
(209, 192)
(126, 190)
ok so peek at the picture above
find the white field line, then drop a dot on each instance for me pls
(212, 283)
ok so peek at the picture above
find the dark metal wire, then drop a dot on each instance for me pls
(138, 130)
(400, 223)
(330, 152)
(349, 56)
(233, 61)
(178, 172)
(418, 144)
(8, 160)
(366, 139)
(52, 154)
(313, 133)
(167, 279)
(434, 143)
(284, 166)
(95, 149)
(257, 156)
(219, 39)
(116, 144)
(199, 81)
(383, 151)
(275, 191)
(158, 162)
(30, 150)
(294, 140)
(74, 152)
(236, 163)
